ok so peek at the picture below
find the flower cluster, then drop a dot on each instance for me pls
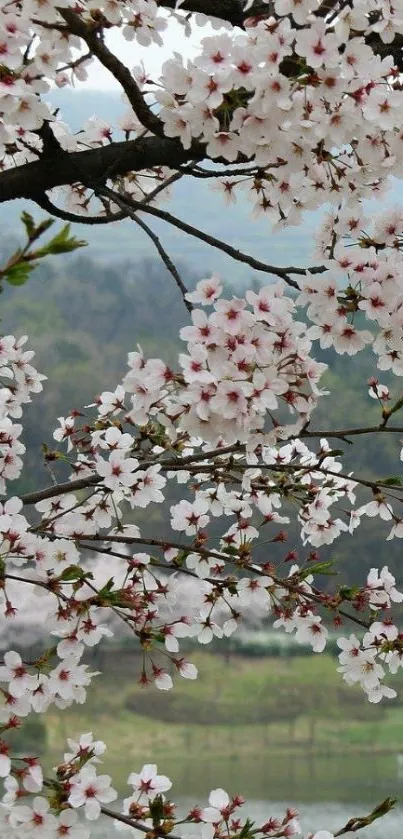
(20, 380)
(360, 661)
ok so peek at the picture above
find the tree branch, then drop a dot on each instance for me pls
(33, 179)
(165, 258)
(325, 7)
(83, 483)
(229, 10)
(233, 12)
(352, 432)
(239, 256)
(182, 462)
(155, 831)
(48, 205)
(119, 71)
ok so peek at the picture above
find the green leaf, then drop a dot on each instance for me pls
(318, 568)
(73, 573)
(246, 830)
(28, 223)
(322, 567)
(157, 810)
(18, 274)
(61, 243)
(107, 593)
(348, 592)
(396, 406)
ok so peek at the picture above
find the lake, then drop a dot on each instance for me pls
(327, 791)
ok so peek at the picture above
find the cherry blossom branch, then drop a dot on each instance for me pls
(118, 70)
(38, 583)
(60, 489)
(285, 467)
(223, 557)
(204, 552)
(233, 12)
(350, 432)
(137, 825)
(90, 480)
(75, 63)
(156, 543)
(46, 204)
(178, 463)
(229, 10)
(176, 176)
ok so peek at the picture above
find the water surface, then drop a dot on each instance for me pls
(327, 791)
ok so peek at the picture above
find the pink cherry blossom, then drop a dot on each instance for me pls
(90, 791)
(148, 783)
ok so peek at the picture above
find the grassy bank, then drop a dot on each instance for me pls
(304, 704)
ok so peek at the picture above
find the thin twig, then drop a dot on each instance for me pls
(206, 552)
(83, 483)
(138, 825)
(352, 432)
(46, 204)
(126, 202)
(161, 186)
(164, 256)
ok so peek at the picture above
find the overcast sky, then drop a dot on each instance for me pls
(131, 53)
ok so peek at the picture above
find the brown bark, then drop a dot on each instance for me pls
(95, 165)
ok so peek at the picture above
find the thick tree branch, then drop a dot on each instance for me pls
(229, 10)
(182, 462)
(33, 179)
(233, 12)
(82, 483)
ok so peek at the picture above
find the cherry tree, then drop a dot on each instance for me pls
(291, 105)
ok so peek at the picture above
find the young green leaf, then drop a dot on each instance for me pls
(61, 243)
(18, 274)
